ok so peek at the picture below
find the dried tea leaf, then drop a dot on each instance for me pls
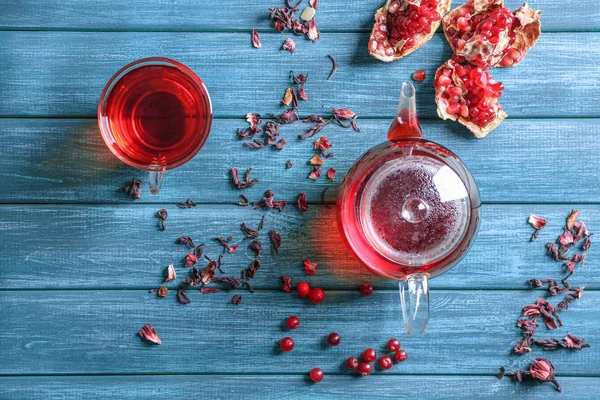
(148, 334)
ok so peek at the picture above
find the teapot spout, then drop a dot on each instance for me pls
(406, 124)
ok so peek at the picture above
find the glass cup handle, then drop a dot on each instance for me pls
(414, 297)
(155, 178)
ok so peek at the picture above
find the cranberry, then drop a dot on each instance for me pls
(400, 356)
(366, 289)
(316, 374)
(286, 344)
(369, 355)
(364, 368)
(386, 362)
(393, 345)
(292, 322)
(352, 362)
(302, 289)
(334, 339)
(316, 295)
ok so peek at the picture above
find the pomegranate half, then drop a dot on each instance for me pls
(403, 26)
(488, 34)
(467, 93)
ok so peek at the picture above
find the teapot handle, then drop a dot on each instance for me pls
(414, 297)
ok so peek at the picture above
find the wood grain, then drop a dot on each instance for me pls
(63, 73)
(471, 332)
(65, 160)
(185, 15)
(121, 247)
(378, 386)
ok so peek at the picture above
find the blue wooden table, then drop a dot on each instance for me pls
(78, 257)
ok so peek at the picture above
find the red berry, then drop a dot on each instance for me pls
(334, 339)
(352, 362)
(292, 322)
(393, 345)
(366, 289)
(400, 356)
(369, 355)
(286, 344)
(365, 368)
(386, 362)
(316, 374)
(302, 289)
(316, 295)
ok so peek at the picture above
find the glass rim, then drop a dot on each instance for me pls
(143, 62)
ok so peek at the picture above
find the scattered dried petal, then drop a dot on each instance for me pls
(244, 202)
(148, 334)
(354, 126)
(163, 215)
(587, 243)
(261, 223)
(251, 270)
(182, 298)
(302, 205)
(189, 203)
(281, 144)
(256, 247)
(571, 219)
(299, 79)
(186, 240)
(327, 205)
(287, 284)
(566, 239)
(289, 164)
(334, 68)
(231, 280)
(256, 39)
(313, 33)
(288, 96)
(344, 113)
(289, 45)
(249, 232)
(190, 259)
(315, 174)
(171, 274)
(310, 267)
(268, 202)
(247, 183)
(275, 240)
(282, 18)
(314, 118)
(206, 290)
(322, 144)
(287, 117)
(237, 299)
(523, 347)
(500, 374)
(316, 160)
(255, 144)
(314, 3)
(554, 253)
(331, 173)
(569, 342)
(162, 291)
(537, 223)
(254, 121)
(133, 189)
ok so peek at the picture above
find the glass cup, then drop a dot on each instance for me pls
(155, 114)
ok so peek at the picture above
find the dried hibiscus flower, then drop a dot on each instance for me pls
(186, 240)
(189, 203)
(287, 284)
(554, 253)
(148, 334)
(272, 131)
(275, 240)
(251, 270)
(190, 259)
(289, 45)
(316, 160)
(246, 183)
(310, 267)
(302, 205)
(249, 232)
(287, 117)
(322, 144)
(171, 274)
(540, 370)
(268, 202)
(569, 342)
(537, 223)
(256, 39)
(313, 33)
(344, 113)
(315, 174)
(182, 298)
(133, 189)
(331, 173)
(545, 310)
(237, 299)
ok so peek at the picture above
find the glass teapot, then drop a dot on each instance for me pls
(409, 209)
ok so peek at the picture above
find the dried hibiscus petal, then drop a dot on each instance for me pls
(249, 232)
(289, 164)
(313, 130)
(587, 243)
(256, 39)
(469, 95)
(186, 240)
(316, 160)
(344, 113)
(148, 334)
(246, 183)
(554, 253)
(333, 68)
(251, 270)
(231, 280)
(256, 247)
(302, 205)
(310, 267)
(403, 26)
(182, 298)
(322, 144)
(569, 342)
(268, 202)
(287, 117)
(537, 223)
(275, 240)
(280, 145)
(580, 231)
(289, 45)
(331, 173)
(540, 370)
(189, 203)
(254, 121)
(206, 290)
(225, 243)
(287, 284)
(313, 33)
(571, 219)
(255, 144)
(315, 174)
(190, 259)
(163, 215)
(237, 299)
(133, 189)
(314, 118)
(302, 93)
(171, 274)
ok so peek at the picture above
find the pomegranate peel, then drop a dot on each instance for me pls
(403, 26)
(467, 94)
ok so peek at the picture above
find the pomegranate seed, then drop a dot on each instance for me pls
(369, 355)
(461, 23)
(316, 374)
(303, 289)
(464, 111)
(400, 356)
(453, 108)
(386, 362)
(444, 80)
(292, 322)
(334, 339)
(316, 295)
(352, 362)
(286, 344)
(365, 368)
(454, 91)
(366, 289)
(394, 7)
(514, 54)
(419, 75)
(393, 345)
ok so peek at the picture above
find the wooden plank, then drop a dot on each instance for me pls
(284, 386)
(185, 15)
(82, 332)
(109, 247)
(63, 73)
(64, 160)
